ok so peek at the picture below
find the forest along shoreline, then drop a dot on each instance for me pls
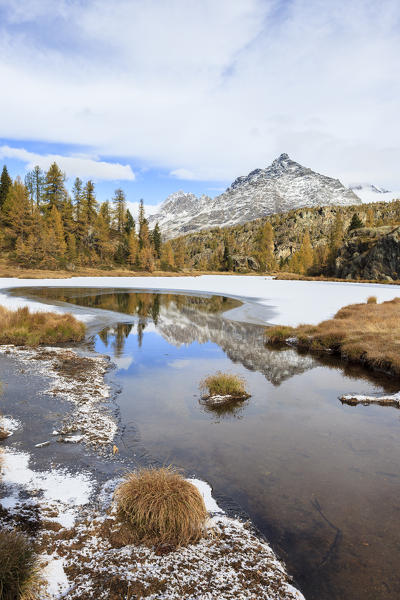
(64, 511)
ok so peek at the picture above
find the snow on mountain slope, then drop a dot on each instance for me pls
(283, 186)
(368, 192)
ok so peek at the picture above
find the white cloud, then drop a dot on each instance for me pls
(149, 209)
(76, 166)
(205, 89)
(183, 174)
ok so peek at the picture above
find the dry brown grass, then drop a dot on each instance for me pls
(368, 334)
(19, 568)
(21, 327)
(3, 433)
(224, 384)
(9, 270)
(295, 276)
(159, 507)
(372, 300)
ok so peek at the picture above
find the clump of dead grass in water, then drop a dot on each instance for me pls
(160, 508)
(21, 327)
(224, 384)
(19, 568)
(368, 334)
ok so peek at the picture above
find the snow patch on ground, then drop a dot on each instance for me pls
(9, 424)
(269, 301)
(206, 491)
(57, 494)
(54, 574)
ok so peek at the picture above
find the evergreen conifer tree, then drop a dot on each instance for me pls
(119, 202)
(129, 222)
(227, 259)
(89, 204)
(356, 222)
(54, 192)
(306, 257)
(265, 247)
(167, 256)
(54, 241)
(180, 253)
(17, 213)
(133, 248)
(5, 184)
(335, 241)
(144, 234)
(156, 236)
(34, 182)
(141, 215)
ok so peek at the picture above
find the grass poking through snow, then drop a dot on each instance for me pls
(23, 328)
(159, 507)
(368, 334)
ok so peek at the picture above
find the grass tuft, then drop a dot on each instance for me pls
(159, 507)
(23, 328)
(278, 334)
(19, 568)
(372, 300)
(224, 384)
(368, 334)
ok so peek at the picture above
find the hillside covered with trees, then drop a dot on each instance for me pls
(44, 226)
(306, 241)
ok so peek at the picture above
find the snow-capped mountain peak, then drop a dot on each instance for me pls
(282, 186)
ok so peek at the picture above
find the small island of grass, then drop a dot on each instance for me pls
(221, 388)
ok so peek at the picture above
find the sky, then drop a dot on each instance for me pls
(163, 95)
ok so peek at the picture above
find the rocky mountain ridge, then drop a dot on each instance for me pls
(370, 253)
(289, 230)
(283, 186)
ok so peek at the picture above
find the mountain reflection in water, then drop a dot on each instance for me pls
(182, 320)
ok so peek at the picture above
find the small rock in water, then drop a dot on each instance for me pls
(72, 439)
(42, 444)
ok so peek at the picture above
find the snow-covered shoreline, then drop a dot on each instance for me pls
(80, 381)
(266, 300)
(73, 515)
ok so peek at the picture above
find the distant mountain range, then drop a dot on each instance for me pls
(284, 185)
(368, 192)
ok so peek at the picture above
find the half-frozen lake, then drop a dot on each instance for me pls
(320, 479)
